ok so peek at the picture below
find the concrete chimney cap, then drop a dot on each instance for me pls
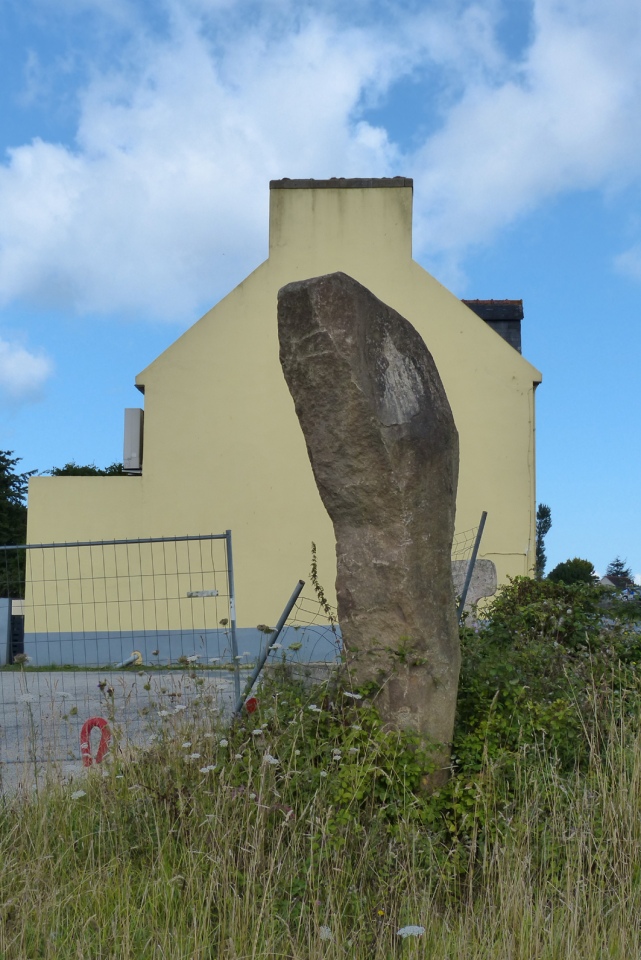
(340, 183)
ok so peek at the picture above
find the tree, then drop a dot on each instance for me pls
(543, 524)
(619, 574)
(573, 571)
(73, 469)
(13, 523)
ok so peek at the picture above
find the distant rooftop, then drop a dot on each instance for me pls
(496, 309)
(340, 183)
(504, 316)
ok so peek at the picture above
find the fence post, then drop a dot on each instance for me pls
(232, 614)
(5, 631)
(470, 568)
(273, 637)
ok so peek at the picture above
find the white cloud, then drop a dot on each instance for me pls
(628, 263)
(160, 206)
(163, 203)
(564, 119)
(22, 374)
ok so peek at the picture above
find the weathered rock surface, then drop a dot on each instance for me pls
(384, 450)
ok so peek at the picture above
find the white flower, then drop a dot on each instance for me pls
(238, 756)
(214, 659)
(27, 698)
(163, 713)
(186, 744)
(353, 750)
(336, 755)
(276, 646)
(252, 796)
(270, 760)
(297, 753)
(323, 773)
(178, 707)
(208, 769)
(411, 931)
(354, 696)
(120, 776)
(355, 726)
(325, 933)
(192, 658)
(314, 708)
(77, 794)
(223, 743)
(208, 736)
(257, 733)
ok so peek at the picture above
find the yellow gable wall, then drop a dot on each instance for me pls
(223, 447)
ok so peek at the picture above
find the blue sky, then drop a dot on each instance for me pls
(138, 139)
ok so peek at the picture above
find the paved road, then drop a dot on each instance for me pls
(42, 713)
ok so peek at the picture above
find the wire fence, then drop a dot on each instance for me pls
(129, 631)
(136, 633)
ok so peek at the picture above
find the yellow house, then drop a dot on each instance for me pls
(222, 444)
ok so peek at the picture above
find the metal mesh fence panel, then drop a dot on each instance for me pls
(128, 631)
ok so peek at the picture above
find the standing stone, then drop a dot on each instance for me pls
(384, 450)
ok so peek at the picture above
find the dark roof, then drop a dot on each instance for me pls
(339, 183)
(496, 309)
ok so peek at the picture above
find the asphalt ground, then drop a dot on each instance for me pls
(42, 714)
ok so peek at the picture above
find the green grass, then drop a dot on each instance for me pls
(262, 860)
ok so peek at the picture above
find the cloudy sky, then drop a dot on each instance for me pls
(138, 139)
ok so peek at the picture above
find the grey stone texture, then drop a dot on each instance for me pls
(483, 582)
(384, 450)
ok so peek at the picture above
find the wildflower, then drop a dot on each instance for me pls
(272, 761)
(353, 696)
(192, 658)
(252, 796)
(223, 743)
(276, 646)
(120, 776)
(314, 708)
(193, 756)
(411, 931)
(178, 707)
(257, 732)
(323, 773)
(325, 933)
(337, 755)
(353, 750)
(208, 736)
(208, 769)
(77, 794)
(214, 659)
(238, 756)
(155, 653)
(297, 753)
(22, 658)
(295, 646)
(355, 726)
(251, 705)
(186, 744)
(163, 713)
